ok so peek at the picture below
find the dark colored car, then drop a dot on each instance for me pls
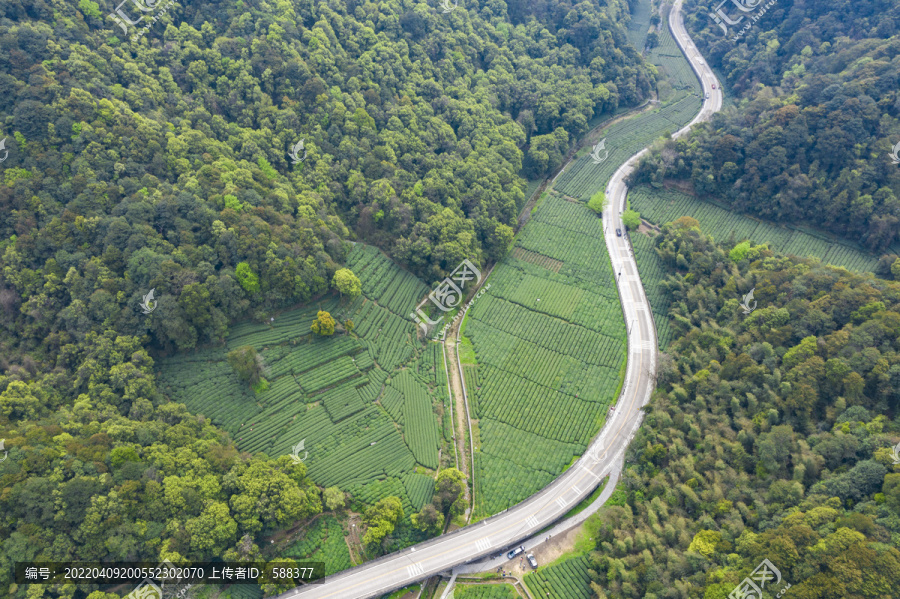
(532, 561)
(618, 232)
(515, 552)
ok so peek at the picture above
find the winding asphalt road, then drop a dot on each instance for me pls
(495, 534)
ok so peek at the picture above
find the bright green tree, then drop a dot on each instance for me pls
(346, 283)
(381, 518)
(631, 219)
(449, 492)
(89, 8)
(323, 324)
(598, 202)
(246, 277)
(273, 585)
(213, 530)
(334, 498)
(739, 252)
(705, 541)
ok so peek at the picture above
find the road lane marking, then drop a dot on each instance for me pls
(532, 522)
(414, 570)
(482, 544)
(561, 502)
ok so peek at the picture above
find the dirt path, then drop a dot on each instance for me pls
(354, 538)
(461, 424)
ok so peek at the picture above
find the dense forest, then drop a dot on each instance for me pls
(769, 437)
(161, 161)
(812, 106)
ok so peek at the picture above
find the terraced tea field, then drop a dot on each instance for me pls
(639, 25)
(661, 206)
(653, 272)
(549, 348)
(582, 177)
(323, 541)
(366, 405)
(566, 580)
(672, 64)
(485, 591)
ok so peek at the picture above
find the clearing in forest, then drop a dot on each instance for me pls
(367, 405)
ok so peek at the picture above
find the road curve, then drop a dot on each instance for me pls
(494, 534)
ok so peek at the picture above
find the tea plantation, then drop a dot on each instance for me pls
(582, 177)
(661, 206)
(549, 341)
(567, 579)
(485, 591)
(366, 405)
(323, 541)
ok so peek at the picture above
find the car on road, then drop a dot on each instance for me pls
(707, 95)
(532, 561)
(515, 552)
(714, 86)
(618, 232)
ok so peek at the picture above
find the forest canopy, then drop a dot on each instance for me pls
(815, 115)
(163, 163)
(769, 436)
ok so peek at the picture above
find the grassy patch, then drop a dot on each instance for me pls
(587, 500)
